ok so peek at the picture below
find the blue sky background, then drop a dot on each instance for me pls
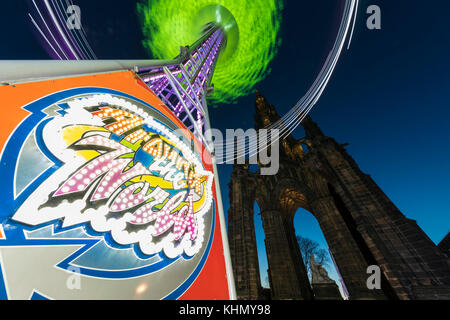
(389, 97)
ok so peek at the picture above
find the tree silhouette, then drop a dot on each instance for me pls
(309, 247)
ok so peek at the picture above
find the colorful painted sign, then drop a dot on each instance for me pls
(105, 195)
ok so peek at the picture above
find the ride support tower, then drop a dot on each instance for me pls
(184, 83)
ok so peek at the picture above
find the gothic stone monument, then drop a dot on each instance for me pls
(360, 223)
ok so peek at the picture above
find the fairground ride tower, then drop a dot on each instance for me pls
(184, 83)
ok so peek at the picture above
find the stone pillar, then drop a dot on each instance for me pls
(244, 255)
(302, 275)
(412, 265)
(285, 276)
(242, 240)
(444, 245)
(351, 262)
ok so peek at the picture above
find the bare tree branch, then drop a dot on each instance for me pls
(309, 247)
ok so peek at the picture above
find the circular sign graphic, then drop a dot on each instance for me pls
(115, 189)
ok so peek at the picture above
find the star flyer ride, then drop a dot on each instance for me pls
(110, 187)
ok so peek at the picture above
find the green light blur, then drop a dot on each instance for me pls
(252, 37)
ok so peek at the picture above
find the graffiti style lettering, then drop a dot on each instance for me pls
(137, 181)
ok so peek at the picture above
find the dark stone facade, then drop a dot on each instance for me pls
(326, 291)
(444, 245)
(360, 223)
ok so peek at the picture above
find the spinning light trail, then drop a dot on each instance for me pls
(252, 29)
(245, 41)
(290, 121)
(50, 17)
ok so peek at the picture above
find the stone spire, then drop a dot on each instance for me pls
(312, 130)
(265, 113)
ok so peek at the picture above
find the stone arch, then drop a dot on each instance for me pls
(262, 196)
(363, 248)
(339, 234)
(334, 211)
(291, 199)
(323, 275)
(294, 195)
(283, 253)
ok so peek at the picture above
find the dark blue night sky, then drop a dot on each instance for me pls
(389, 97)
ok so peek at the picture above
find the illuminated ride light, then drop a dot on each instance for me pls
(183, 87)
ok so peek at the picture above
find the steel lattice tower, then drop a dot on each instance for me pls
(183, 86)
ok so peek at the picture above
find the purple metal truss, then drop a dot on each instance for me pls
(180, 83)
(183, 86)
